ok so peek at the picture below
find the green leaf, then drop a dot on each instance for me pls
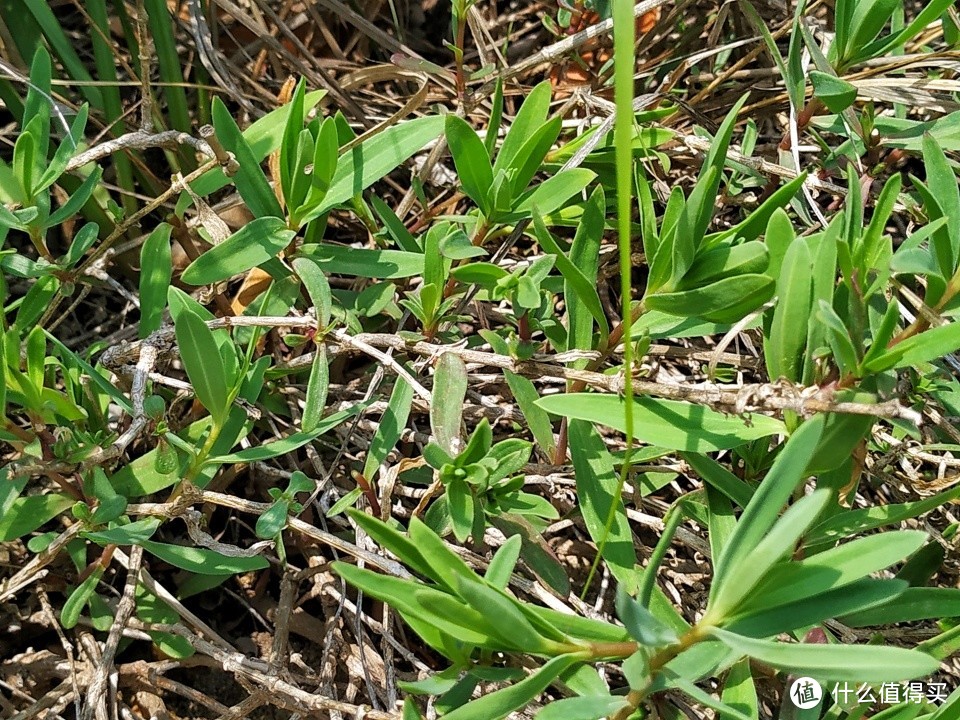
(850, 522)
(273, 521)
(643, 626)
(204, 364)
(394, 227)
(554, 192)
(703, 198)
(449, 391)
(837, 94)
(843, 350)
(505, 618)
(530, 117)
(317, 387)
(503, 562)
(462, 508)
(925, 347)
(724, 261)
(761, 513)
(26, 514)
(253, 244)
(410, 711)
(669, 424)
(587, 707)
(717, 476)
(70, 614)
(471, 160)
(597, 484)
(537, 419)
(702, 696)
(82, 241)
(741, 576)
(396, 542)
(289, 165)
(913, 604)
(25, 160)
(835, 567)
(69, 147)
(584, 289)
(390, 427)
(529, 158)
(260, 138)
(250, 181)
(740, 692)
(783, 350)
(202, 560)
(130, 534)
(309, 271)
(289, 443)
(371, 160)
(727, 300)
(496, 118)
(362, 262)
(156, 269)
(325, 160)
(793, 615)
(445, 566)
(852, 663)
(501, 703)
(930, 11)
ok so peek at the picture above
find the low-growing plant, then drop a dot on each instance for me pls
(772, 462)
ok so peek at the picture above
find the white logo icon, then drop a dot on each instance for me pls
(805, 693)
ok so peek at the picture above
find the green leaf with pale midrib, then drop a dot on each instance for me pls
(254, 244)
(670, 424)
(853, 663)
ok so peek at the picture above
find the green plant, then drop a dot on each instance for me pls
(759, 591)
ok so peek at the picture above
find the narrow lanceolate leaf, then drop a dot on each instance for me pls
(726, 300)
(203, 363)
(70, 615)
(596, 487)
(553, 192)
(742, 577)
(503, 562)
(253, 244)
(777, 487)
(836, 93)
(928, 345)
(783, 350)
(449, 390)
(642, 625)
(501, 703)
(156, 269)
(584, 289)
(390, 427)
(529, 119)
(852, 663)
(371, 160)
(835, 567)
(666, 423)
(202, 560)
(470, 158)
(289, 443)
(317, 387)
(740, 692)
(250, 181)
(587, 707)
(505, 618)
(918, 603)
(308, 270)
(836, 603)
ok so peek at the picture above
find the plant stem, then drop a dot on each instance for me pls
(623, 53)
